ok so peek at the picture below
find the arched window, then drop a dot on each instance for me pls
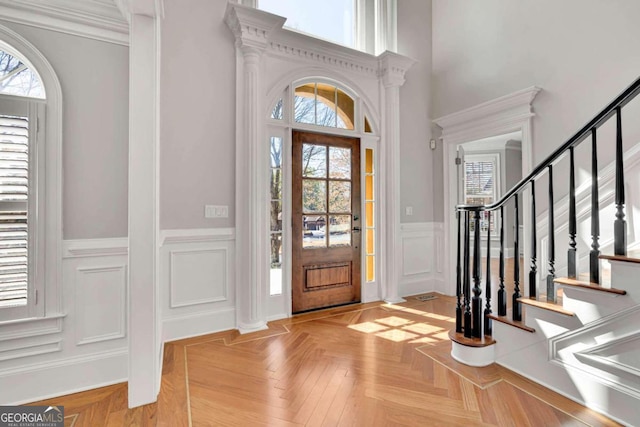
(17, 78)
(323, 104)
(24, 234)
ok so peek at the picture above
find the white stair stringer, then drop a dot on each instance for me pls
(608, 348)
(592, 357)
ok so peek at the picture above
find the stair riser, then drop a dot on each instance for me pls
(517, 338)
(549, 323)
(624, 275)
(591, 305)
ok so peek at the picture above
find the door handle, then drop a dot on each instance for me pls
(356, 229)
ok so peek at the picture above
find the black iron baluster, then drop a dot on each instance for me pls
(594, 254)
(458, 280)
(467, 278)
(476, 301)
(488, 330)
(551, 291)
(620, 225)
(517, 307)
(533, 285)
(572, 270)
(502, 294)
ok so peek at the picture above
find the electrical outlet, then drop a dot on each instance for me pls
(409, 210)
(211, 211)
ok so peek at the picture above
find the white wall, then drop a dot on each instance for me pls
(197, 118)
(416, 158)
(95, 96)
(582, 53)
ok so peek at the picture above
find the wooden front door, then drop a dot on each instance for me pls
(326, 221)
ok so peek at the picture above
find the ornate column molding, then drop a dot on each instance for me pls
(391, 71)
(252, 29)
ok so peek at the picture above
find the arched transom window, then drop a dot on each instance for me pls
(17, 78)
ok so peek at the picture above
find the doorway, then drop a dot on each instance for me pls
(326, 221)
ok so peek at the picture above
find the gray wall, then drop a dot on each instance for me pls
(197, 118)
(581, 52)
(416, 158)
(95, 95)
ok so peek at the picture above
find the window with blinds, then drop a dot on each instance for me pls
(14, 192)
(480, 180)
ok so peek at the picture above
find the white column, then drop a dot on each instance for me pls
(251, 28)
(392, 70)
(144, 326)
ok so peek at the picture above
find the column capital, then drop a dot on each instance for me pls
(251, 27)
(392, 67)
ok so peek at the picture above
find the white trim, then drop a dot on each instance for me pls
(197, 324)
(507, 114)
(90, 19)
(421, 257)
(121, 304)
(33, 327)
(196, 235)
(173, 281)
(71, 375)
(95, 247)
(29, 350)
(144, 325)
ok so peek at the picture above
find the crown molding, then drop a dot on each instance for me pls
(515, 104)
(93, 19)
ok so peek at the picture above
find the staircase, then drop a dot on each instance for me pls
(580, 334)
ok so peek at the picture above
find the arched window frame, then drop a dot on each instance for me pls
(45, 292)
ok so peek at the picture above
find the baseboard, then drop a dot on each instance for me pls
(196, 324)
(414, 287)
(72, 375)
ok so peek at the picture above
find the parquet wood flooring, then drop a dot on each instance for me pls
(362, 365)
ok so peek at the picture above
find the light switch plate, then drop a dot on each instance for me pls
(211, 211)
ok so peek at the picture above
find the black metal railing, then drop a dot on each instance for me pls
(469, 311)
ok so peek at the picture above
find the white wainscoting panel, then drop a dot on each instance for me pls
(101, 303)
(422, 258)
(197, 282)
(81, 348)
(198, 276)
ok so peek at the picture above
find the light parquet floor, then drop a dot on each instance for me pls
(362, 365)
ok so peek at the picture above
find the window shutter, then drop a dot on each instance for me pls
(14, 179)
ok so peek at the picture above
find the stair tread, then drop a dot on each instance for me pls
(459, 337)
(546, 305)
(622, 258)
(508, 320)
(588, 285)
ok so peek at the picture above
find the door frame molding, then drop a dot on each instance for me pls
(509, 113)
(260, 41)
